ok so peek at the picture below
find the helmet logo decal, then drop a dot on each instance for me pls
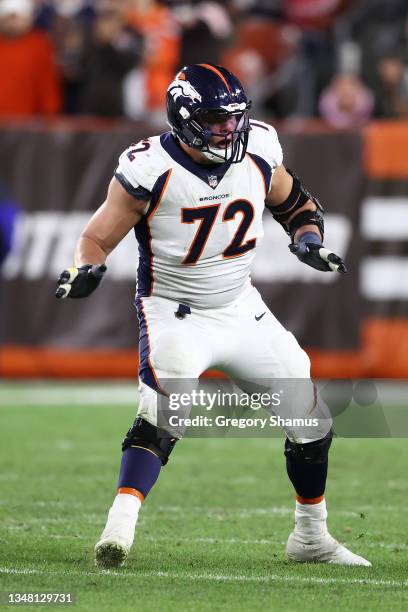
(183, 88)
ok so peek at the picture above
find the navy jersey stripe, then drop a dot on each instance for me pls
(146, 372)
(264, 168)
(144, 270)
(145, 277)
(158, 191)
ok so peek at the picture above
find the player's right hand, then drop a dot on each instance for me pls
(79, 282)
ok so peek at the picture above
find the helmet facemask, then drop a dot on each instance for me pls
(232, 145)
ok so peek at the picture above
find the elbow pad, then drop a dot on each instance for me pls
(296, 199)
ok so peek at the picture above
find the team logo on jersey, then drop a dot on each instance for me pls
(183, 88)
(212, 180)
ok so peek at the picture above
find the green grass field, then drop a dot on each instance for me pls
(213, 531)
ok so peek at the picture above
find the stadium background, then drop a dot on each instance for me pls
(74, 91)
(81, 80)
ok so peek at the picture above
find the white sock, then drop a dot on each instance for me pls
(122, 518)
(125, 504)
(310, 520)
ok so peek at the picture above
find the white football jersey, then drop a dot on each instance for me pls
(203, 223)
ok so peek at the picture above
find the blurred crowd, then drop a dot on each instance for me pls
(343, 60)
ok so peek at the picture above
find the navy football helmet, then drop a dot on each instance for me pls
(202, 95)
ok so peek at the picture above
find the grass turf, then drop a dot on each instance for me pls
(211, 534)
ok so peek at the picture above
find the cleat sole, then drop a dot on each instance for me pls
(110, 554)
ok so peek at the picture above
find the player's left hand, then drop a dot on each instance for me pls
(311, 252)
(79, 282)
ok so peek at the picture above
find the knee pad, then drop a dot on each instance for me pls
(312, 452)
(145, 435)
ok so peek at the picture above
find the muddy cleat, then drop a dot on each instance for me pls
(324, 549)
(110, 554)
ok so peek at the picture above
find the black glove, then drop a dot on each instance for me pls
(311, 251)
(79, 282)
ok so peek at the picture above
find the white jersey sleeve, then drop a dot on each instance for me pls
(140, 165)
(264, 143)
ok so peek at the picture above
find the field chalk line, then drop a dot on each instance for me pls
(215, 577)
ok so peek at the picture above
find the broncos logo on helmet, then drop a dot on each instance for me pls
(183, 88)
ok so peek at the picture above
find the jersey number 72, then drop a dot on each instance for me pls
(207, 215)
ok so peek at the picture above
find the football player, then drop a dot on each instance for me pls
(195, 197)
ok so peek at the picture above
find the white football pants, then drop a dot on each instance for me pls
(243, 339)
